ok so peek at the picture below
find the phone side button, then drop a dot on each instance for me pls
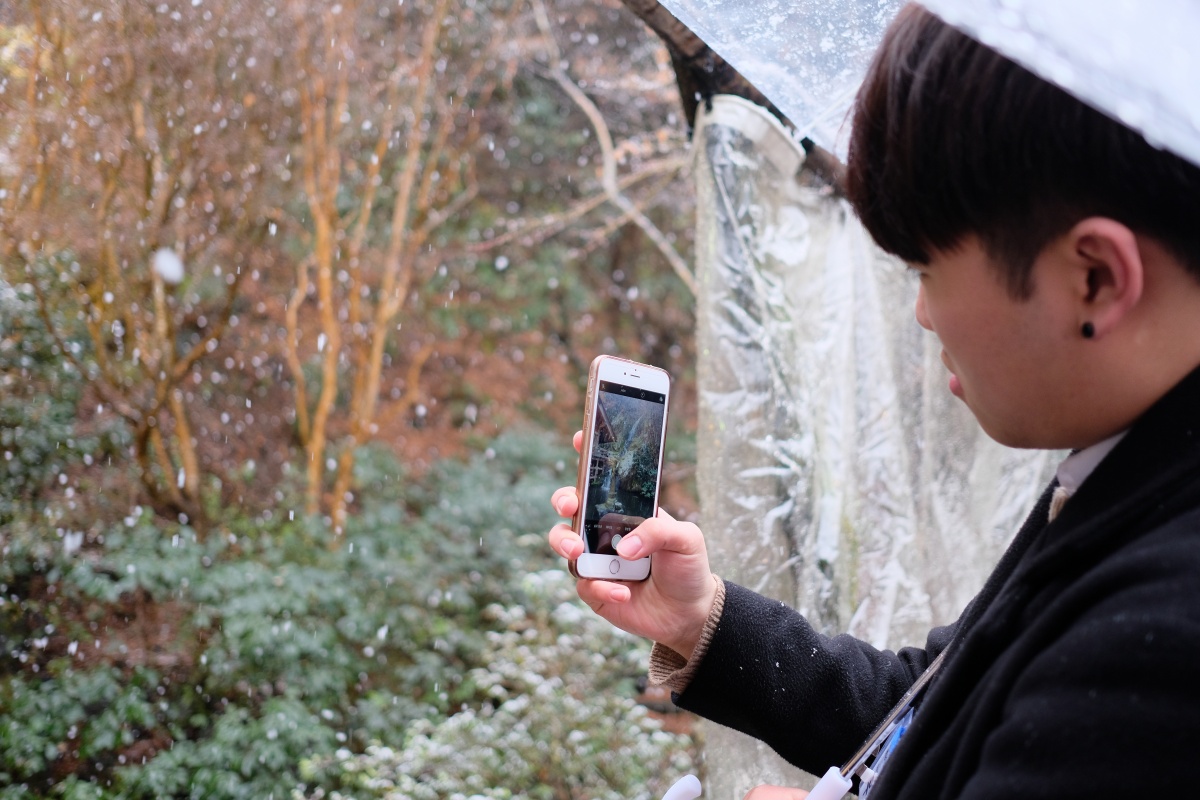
(614, 566)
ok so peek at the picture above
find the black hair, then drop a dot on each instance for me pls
(950, 138)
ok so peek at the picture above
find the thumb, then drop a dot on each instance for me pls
(663, 532)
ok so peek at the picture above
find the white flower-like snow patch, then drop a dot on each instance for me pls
(168, 265)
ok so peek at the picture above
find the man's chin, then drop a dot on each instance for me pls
(1015, 437)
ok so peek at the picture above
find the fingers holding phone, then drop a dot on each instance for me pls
(775, 793)
(670, 607)
(563, 539)
(565, 501)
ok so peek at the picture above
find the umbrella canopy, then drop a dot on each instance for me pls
(807, 56)
(1134, 61)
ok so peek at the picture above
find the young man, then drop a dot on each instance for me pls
(1059, 263)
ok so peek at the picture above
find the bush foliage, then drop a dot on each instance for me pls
(258, 661)
(553, 718)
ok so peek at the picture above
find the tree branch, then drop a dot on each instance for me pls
(608, 152)
(548, 225)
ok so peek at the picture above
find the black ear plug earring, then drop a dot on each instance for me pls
(1088, 330)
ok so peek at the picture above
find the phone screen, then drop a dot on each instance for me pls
(622, 483)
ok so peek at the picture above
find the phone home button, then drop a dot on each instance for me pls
(614, 566)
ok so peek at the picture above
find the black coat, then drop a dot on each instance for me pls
(1074, 673)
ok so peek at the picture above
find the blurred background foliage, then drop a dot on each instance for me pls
(296, 305)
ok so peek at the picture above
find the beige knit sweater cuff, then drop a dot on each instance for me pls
(670, 669)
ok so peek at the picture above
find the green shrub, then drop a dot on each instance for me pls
(554, 717)
(151, 662)
(39, 391)
(246, 754)
(85, 715)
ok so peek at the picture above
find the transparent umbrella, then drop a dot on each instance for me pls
(1133, 60)
(807, 56)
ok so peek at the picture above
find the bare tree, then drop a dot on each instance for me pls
(333, 156)
(412, 136)
(630, 212)
(119, 157)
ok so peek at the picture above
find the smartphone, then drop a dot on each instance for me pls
(624, 427)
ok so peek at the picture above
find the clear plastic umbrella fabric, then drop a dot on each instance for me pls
(1136, 61)
(836, 472)
(836, 469)
(807, 56)
(825, 417)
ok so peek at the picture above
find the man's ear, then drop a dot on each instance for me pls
(1109, 272)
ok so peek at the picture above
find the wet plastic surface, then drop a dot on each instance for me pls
(836, 471)
(1135, 61)
(807, 56)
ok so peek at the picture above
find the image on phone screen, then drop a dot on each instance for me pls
(622, 481)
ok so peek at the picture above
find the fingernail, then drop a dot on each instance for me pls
(619, 594)
(630, 546)
(559, 508)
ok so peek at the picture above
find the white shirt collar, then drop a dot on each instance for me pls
(1075, 468)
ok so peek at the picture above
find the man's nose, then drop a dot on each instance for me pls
(922, 317)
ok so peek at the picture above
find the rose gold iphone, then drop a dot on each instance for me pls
(624, 427)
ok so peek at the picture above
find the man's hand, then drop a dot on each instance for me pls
(669, 607)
